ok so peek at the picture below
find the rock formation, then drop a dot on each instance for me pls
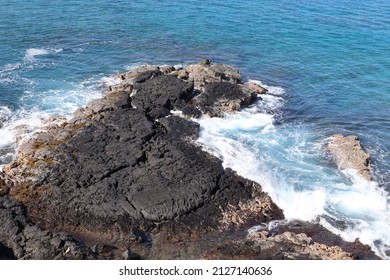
(347, 152)
(124, 179)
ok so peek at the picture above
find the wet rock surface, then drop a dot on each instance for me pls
(124, 179)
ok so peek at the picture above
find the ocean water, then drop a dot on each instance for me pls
(326, 64)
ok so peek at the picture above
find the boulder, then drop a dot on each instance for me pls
(256, 88)
(347, 152)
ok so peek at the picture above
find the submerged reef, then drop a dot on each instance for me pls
(125, 179)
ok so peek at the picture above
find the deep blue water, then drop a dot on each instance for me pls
(328, 60)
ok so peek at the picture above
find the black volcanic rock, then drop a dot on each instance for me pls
(222, 97)
(22, 239)
(158, 96)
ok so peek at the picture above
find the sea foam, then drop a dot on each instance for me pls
(33, 52)
(18, 125)
(288, 162)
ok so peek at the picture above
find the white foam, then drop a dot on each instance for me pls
(260, 227)
(240, 121)
(65, 100)
(8, 75)
(287, 161)
(177, 113)
(367, 206)
(304, 204)
(5, 81)
(135, 65)
(10, 67)
(33, 52)
(19, 125)
(179, 66)
(110, 81)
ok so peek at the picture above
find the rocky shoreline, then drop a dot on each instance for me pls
(123, 179)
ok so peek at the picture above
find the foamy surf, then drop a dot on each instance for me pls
(32, 53)
(289, 163)
(18, 125)
(12, 73)
(8, 73)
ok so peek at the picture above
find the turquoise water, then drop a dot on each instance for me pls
(327, 62)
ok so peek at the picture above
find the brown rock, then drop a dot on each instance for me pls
(256, 88)
(321, 235)
(206, 72)
(180, 73)
(347, 152)
(288, 245)
(250, 212)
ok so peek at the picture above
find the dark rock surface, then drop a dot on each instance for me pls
(124, 179)
(159, 96)
(22, 239)
(221, 97)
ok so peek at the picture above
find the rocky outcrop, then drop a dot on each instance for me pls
(123, 178)
(220, 98)
(255, 87)
(322, 238)
(287, 241)
(347, 152)
(206, 72)
(285, 246)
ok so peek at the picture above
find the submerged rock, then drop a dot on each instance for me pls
(347, 152)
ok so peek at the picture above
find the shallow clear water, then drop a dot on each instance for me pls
(329, 63)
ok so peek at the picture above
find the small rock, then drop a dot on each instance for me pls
(256, 88)
(347, 152)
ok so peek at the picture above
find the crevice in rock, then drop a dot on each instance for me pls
(113, 171)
